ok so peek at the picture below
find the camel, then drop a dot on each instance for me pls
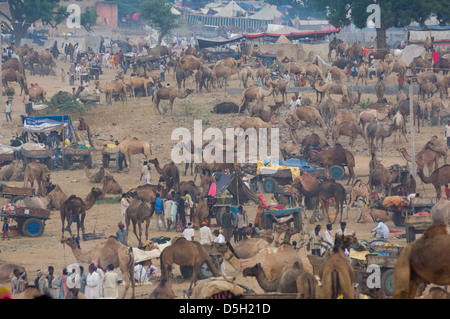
(162, 291)
(437, 145)
(425, 157)
(95, 177)
(110, 186)
(15, 64)
(137, 212)
(380, 177)
(336, 273)
(441, 65)
(328, 110)
(249, 247)
(75, 207)
(423, 260)
(147, 192)
(181, 76)
(279, 86)
(253, 93)
(315, 141)
(401, 95)
(37, 93)
(253, 123)
(399, 126)
(342, 49)
(313, 73)
(190, 62)
(11, 172)
(332, 45)
(245, 73)
(11, 75)
(350, 129)
(292, 279)
(345, 116)
(56, 198)
(353, 99)
(324, 191)
(39, 173)
(379, 90)
(444, 84)
(370, 215)
(170, 94)
(272, 259)
(377, 131)
(427, 88)
(134, 146)
(440, 213)
(334, 87)
(108, 251)
(229, 62)
(368, 116)
(359, 189)
(267, 115)
(203, 78)
(434, 105)
(135, 83)
(397, 66)
(439, 178)
(294, 68)
(418, 64)
(185, 253)
(170, 174)
(307, 114)
(46, 59)
(112, 88)
(220, 74)
(336, 155)
(363, 74)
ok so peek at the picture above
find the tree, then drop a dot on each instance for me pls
(88, 18)
(160, 14)
(393, 13)
(58, 17)
(25, 12)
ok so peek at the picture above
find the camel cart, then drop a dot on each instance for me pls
(283, 216)
(76, 155)
(30, 221)
(382, 256)
(416, 224)
(110, 152)
(43, 156)
(15, 194)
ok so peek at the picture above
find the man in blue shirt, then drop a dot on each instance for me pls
(159, 210)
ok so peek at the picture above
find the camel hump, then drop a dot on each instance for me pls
(72, 196)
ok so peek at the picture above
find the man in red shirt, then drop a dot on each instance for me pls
(400, 82)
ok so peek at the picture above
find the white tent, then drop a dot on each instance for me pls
(232, 9)
(175, 11)
(268, 12)
(412, 51)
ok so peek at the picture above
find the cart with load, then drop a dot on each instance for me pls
(15, 194)
(110, 151)
(280, 215)
(30, 221)
(416, 224)
(32, 152)
(75, 154)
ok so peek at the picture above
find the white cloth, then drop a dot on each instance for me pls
(92, 290)
(124, 203)
(101, 276)
(329, 239)
(188, 233)
(205, 235)
(292, 106)
(110, 285)
(168, 209)
(382, 231)
(146, 174)
(140, 273)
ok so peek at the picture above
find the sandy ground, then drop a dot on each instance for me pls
(138, 119)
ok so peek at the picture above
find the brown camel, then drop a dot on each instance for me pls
(11, 172)
(292, 279)
(265, 114)
(382, 177)
(135, 83)
(308, 114)
(108, 251)
(377, 131)
(334, 87)
(229, 62)
(56, 198)
(354, 99)
(147, 192)
(323, 192)
(253, 93)
(350, 129)
(345, 116)
(170, 94)
(397, 66)
(253, 123)
(427, 88)
(249, 247)
(75, 207)
(336, 273)
(279, 86)
(190, 62)
(110, 186)
(425, 157)
(185, 253)
(439, 146)
(222, 74)
(444, 85)
(272, 259)
(170, 174)
(332, 45)
(112, 88)
(313, 73)
(336, 155)
(399, 126)
(37, 93)
(336, 73)
(434, 105)
(11, 75)
(369, 115)
(201, 211)
(363, 74)
(39, 173)
(138, 212)
(46, 59)
(95, 177)
(425, 260)
(163, 290)
(359, 189)
(134, 146)
(439, 178)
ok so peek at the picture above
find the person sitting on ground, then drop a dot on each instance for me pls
(381, 231)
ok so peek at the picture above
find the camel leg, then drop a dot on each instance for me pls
(147, 224)
(83, 215)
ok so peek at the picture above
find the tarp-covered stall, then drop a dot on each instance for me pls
(236, 187)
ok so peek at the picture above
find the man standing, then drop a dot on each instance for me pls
(110, 283)
(327, 241)
(162, 70)
(159, 209)
(342, 231)
(227, 223)
(121, 234)
(220, 239)
(92, 283)
(145, 173)
(52, 283)
(241, 223)
(447, 133)
(205, 236)
(8, 110)
(314, 241)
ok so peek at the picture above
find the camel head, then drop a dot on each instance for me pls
(252, 271)
(72, 242)
(344, 241)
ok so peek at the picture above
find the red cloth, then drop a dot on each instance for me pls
(435, 57)
(400, 80)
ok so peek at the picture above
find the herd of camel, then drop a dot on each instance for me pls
(291, 271)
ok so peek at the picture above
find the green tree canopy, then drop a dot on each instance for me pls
(393, 13)
(89, 18)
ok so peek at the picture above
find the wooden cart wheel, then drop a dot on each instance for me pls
(387, 278)
(269, 184)
(398, 219)
(33, 227)
(410, 234)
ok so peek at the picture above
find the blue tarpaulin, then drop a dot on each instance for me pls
(47, 123)
(292, 162)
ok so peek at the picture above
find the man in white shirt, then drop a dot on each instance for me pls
(292, 105)
(342, 231)
(220, 239)
(145, 173)
(205, 234)
(381, 231)
(92, 284)
(328, 240)
(189, 232)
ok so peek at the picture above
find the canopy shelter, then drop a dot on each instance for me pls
(234, 184)
(293, 35)
(268, 12)
(232, 9)
(204, 43)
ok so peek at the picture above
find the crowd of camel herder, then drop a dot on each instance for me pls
(291, 271)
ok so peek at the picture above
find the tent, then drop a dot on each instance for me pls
(283, 40)
(268, 12)
(232, 9)
(236, 186)
(412, 51)
(49, 123)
